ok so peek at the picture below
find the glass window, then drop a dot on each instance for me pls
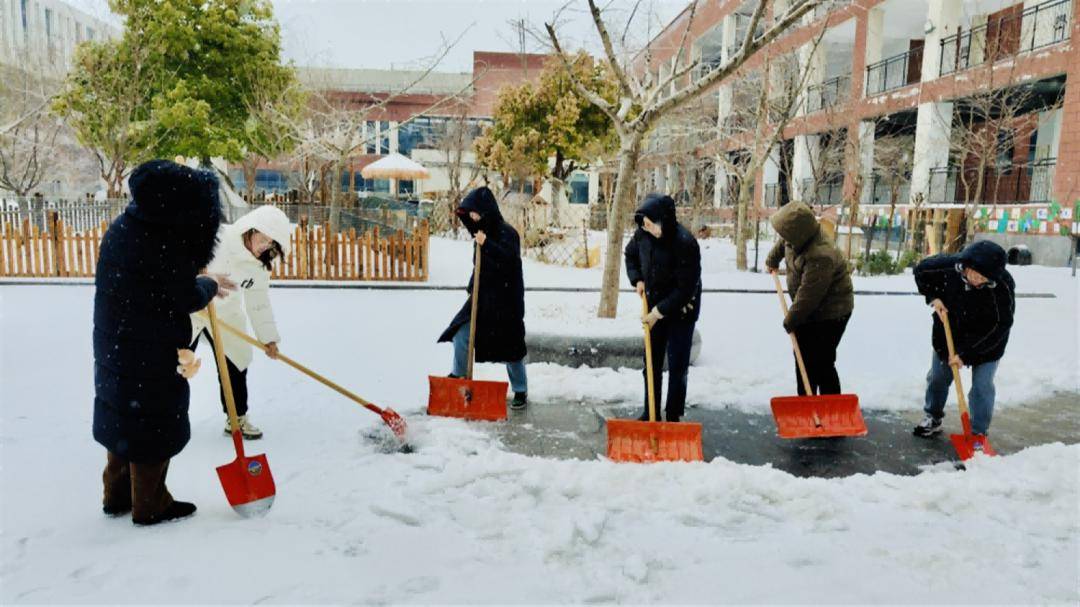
(370, 138)
(384, 137)
(578, 189)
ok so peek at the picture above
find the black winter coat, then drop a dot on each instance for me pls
(980, 318)
(500, 314)
(146, 287)
(670, 266)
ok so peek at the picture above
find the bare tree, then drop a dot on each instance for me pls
(29, 142)
(757, 126)
(988, 125)
(644, 98)
(893, 157)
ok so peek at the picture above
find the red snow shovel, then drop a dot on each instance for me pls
(963, 443)
(814, 416)
(463, 396)
(652, 441)
(247, 481)
(392, 419)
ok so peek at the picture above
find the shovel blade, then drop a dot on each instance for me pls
(818, 416)
(467, 398)
(965, 445)
(248, 485)
(395, 422)
(642, 442)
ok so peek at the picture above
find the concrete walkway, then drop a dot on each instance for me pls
(578, 431)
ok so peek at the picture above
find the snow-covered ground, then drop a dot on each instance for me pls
(462, 520)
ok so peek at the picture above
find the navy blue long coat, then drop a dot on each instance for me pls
(500, 322)
(146, 286)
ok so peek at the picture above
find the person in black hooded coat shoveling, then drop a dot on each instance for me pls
(500, 314)
(147, 283)
(979, 295)
(663, 261)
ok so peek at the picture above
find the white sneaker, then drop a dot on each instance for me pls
(249, 430)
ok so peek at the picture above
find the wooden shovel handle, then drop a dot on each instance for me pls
(955, 370)
(223, 377)
(299, 367)
(649, 388)
(794, 342)
(472, 313)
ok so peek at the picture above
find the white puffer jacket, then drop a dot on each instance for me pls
(234, 260)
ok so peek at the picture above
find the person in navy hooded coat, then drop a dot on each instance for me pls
(147, 284)
(500, 313)
(979, 296)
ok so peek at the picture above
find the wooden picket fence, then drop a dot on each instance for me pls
(29, 251)
(318, 254)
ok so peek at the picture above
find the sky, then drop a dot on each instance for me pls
(403, 34)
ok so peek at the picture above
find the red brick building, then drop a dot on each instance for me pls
(916, 69)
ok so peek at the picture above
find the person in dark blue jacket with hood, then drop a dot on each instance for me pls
(663, 261)
(147, 285)
(979, 295)
(500, 312)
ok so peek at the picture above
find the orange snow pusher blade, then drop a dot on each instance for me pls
(467, 398)
(642, 442)
(818, 416)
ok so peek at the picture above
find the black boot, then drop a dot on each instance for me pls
(521, 400)
(674, 417)
(175, 511)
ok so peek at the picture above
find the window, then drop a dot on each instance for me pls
(90, 33)
(578, 189)
(370, 137)
(384, 137)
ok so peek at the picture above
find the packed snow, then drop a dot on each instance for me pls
(463, 520)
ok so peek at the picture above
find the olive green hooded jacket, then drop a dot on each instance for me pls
(817, 274)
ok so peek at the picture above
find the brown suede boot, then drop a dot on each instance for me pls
(117, 481)
(151, 502)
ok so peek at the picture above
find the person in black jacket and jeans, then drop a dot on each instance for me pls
(147, 284)
(978, 294)
(663, 261)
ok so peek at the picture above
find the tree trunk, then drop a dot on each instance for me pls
(740, 225)
(335, 197)
(251, 168)
(619, 211)
(889, 219)
(556, 192)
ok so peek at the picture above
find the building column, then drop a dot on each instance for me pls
(933, 129)
(869, 40)
(1067, 172)
(861, 136)
(720, 186)
(945, 15)
(729, 30)
(807, 148)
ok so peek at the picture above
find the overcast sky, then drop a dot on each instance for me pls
(386, 34)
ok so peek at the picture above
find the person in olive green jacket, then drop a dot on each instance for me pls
(820, 286)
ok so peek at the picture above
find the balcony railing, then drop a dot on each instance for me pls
(1018, 184)
(827, 94)
(881, 191)
(830, 191)
(895, 72)
(1037, 27)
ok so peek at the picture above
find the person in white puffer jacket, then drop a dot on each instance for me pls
(244, 253)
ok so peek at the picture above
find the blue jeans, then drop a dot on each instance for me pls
(980, 397)
(516, 370)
